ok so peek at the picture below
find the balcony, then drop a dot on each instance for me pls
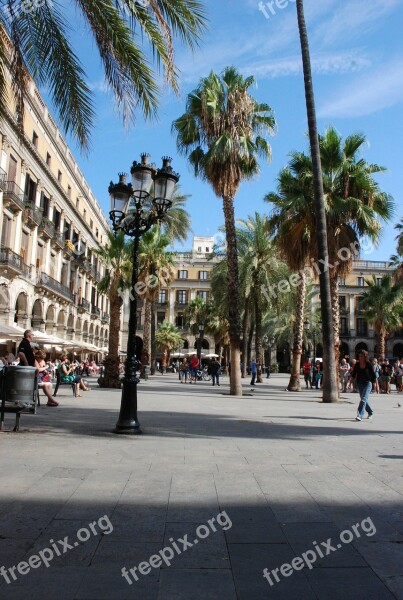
(105, 317)
(95, 312)
(84, 306)
(96, 275)
(3, 177)
(13, 197)
(162, 305)
(58, 241)
(12, 264)
(68, 249)
(46, 229)
(32, 215)
(47, 283)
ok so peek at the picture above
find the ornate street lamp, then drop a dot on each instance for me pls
(135, 208)
(201, 334)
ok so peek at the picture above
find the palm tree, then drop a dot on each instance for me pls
(382, 307)
(396, 260)
(354, 208)
(41, 42)
(294, 243)
(117, 257)
(168, 338)
(221, 132)
(155, 271)
(258, 262)
(330, 385)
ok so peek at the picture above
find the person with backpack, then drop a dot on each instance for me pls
(307, 369)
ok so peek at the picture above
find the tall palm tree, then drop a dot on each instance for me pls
(355, 206)
(168, 338)
(382, 307)
(258, 261)
(330, 386)
(117, 257)
(155, 271)
(41, 42)
(221, 132)
(396, 260)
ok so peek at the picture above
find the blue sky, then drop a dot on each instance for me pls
(357, 57)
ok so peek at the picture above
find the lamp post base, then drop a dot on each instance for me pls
(127, 422)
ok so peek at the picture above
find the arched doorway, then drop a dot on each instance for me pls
(38, 321)
(344, 350)
(360, 346)
(61, 324)
(50, 320)
(70, 328)
(21, 310)
(398, 350)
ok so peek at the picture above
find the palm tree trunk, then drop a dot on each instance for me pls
(234, 317)
(258, 340)
(245, 324)
(153, 344)
(146, 353)
(330, 387)
(381, 343)
(110, 378)
(334, 291)
(294, 384)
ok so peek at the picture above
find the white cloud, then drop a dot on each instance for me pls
(379, 89)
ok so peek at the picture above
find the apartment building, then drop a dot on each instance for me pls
(355, 332)
(50, 225)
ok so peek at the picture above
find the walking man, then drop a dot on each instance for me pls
(253, 371)
(215, 371)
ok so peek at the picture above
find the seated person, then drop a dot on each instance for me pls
(67, 375)
(44, 377)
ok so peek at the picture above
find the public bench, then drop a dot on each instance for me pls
(19, 392)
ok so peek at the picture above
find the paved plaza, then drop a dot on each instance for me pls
(216, 490)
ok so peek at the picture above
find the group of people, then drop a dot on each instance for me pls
(313, 374)
(69, 372)
(189, 368)
(385, 375)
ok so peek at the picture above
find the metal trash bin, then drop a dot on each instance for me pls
(19, 383)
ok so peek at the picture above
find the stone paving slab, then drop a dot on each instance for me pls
(286, 470)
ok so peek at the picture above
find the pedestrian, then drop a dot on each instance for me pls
(377, 371)
(253, 370)
(183, 371)
(268, 372)
(364, 376)
(317, 374)
(351, 381)
(194, 365)
(386, 376)
(344, 372)
(215, 371)
(25, 352)
(307, 367)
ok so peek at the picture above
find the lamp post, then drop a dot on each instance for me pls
(135, 208)
(201, 335)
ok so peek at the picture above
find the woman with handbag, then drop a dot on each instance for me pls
(44, 377)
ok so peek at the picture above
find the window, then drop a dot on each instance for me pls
(359, 300)
(6, 232)
(56, 219)
(91, 224)
(48, 159)
(162, 297)
(182, 296)
(342, 302)
(379, 280)
(59, 176)
(85, 214)
(207, 249)
(30, 190)
(69, 191)
(203, 275)
(362, 327)
(96, 233)
(360, 281)
(344, 326)
(44, 204)
(342, 281)
(67, 230)
(75, 237)
(199, 249)
(35, 139)
(182, 274)
(180, 320)
(203, 294)
(160, 317)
